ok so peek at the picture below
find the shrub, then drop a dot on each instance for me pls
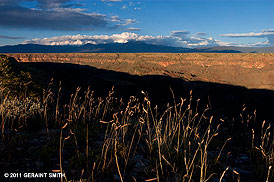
(15, 82)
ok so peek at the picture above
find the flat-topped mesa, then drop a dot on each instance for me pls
(252, 70)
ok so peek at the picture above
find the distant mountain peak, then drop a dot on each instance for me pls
(131, 46)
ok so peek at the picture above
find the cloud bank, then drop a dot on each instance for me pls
(55, 15)
(268, 34)
(176, 38)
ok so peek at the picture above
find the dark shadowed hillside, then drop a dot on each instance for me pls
(224, 99)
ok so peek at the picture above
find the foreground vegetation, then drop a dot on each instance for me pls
(111, 139)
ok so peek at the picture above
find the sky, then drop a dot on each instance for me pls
(180, 23)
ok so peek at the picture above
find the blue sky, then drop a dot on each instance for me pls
(185, 23)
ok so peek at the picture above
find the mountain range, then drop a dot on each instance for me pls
(129, 47)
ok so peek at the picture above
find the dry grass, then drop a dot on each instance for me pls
(133, 140)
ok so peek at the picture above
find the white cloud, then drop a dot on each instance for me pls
(132, 5)
(201, 34)
(268, 34)
(177, 38)
(180, 33)
(122, 22)
(115, 19)
(128, 22)
(268, 30)
(84, 39)
(250, 34)
(259, 44)
(133, 29)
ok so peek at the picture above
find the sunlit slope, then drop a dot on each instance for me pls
(252, 70)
